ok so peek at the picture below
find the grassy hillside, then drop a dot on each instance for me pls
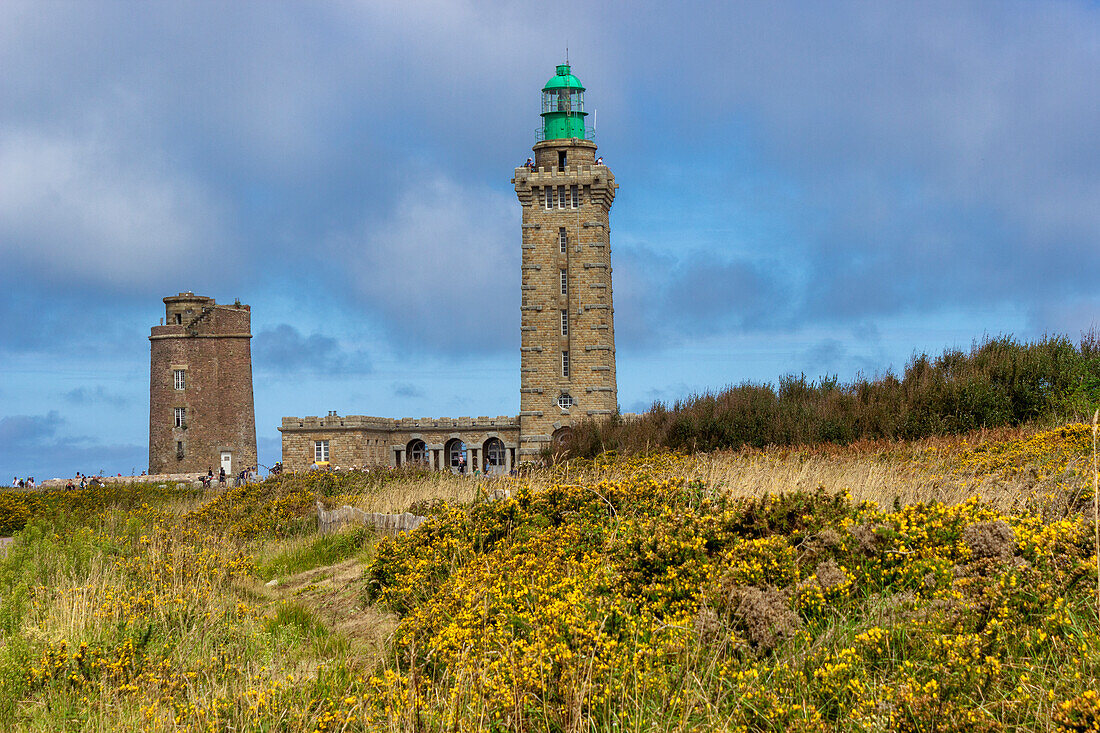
(829, 588)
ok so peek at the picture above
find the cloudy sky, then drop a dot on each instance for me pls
(805, 187)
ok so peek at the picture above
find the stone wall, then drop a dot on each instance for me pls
(589, 337)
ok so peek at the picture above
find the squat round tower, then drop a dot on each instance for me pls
(201, 411)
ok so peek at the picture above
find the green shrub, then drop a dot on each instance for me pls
(999, 382)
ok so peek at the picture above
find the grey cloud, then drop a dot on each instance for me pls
(942, 153)
(82, 209)
(96, 396)
(404, 389)
(929, 156)
(825, 355)
(284, 350)
(659, 297)
(24, 429)
(440, 269)
(34, 445)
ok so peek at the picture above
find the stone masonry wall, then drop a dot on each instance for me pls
(357, 440)
(586, 262)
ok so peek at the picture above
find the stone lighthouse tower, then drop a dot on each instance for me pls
(201, 413)
(567, 340)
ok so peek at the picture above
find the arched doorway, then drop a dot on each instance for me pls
(416, 452)
(561, 439)
(494, 456)
(455, 452)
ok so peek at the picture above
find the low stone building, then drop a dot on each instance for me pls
(354, 441)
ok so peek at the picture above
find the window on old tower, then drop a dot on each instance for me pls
(565, 400)
(565, 323)
(179, 450)
(179, 378)
(320, 451)
(549, 194)
(563, 240)
(561, 159)
(564, 282)
(565, 363)
(575, 196)
(181, 417)
(561, 197)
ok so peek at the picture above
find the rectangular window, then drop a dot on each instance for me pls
(179, 378)
(565, 363)
(575, 195)
(320, 451)
(181, 417)
(549, 192)
(561, 197)
(565, 323)
(563, 239)
(565, 282)
(179, 450)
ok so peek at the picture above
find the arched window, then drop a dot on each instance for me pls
(455, 450)
(416, 451)
(494, 455)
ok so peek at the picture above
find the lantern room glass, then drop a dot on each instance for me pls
(562, 100)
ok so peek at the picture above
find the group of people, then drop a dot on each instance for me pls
(530, 164)
(79, 481)
(244, 476)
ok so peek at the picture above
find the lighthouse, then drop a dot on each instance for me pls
(567, 329)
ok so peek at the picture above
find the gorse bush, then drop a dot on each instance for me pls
(663, 605)
(998, 382)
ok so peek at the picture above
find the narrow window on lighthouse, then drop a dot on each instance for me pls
(549, 191)
(565, 323)
(575, 196)
(563, 239)
(564, 282)
(565, 363)
(561, 197)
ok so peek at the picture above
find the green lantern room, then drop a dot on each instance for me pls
(563, 107)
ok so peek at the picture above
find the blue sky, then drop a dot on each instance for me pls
(805, 187)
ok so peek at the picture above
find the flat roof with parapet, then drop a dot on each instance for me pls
(291, 424)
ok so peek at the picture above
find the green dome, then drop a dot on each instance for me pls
(563, 80)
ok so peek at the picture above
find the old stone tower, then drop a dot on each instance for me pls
(567, 369)
(201, 413)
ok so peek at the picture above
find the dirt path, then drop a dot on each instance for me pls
(335, 594)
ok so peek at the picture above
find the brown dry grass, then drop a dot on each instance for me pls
(885, 472)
